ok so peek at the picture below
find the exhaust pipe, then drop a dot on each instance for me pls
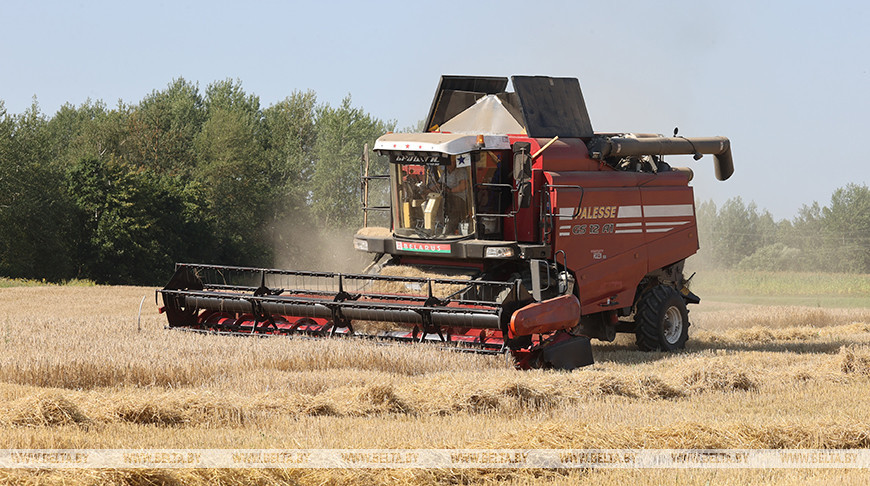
(719, 147)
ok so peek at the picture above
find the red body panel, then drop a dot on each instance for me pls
(620, 227)
(561, 155)
(545, 317)
(616, 229)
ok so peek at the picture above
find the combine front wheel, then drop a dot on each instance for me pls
(662, 320)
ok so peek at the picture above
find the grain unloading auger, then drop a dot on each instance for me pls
(514, 228)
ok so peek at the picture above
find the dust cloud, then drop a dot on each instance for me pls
(302, 245)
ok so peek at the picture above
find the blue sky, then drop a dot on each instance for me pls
(788, 82)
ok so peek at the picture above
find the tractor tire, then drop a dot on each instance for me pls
(661, 320)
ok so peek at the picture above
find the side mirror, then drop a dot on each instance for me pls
(523, 173)
(522, 162)
(524, 196)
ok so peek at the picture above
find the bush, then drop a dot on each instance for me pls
(775, 257)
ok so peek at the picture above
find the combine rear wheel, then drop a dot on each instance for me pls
(662, 320)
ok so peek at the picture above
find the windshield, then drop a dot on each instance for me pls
(434, 200)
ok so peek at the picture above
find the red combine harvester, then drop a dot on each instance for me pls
(514, 228)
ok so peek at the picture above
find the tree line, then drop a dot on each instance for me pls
(117, 195)
(832, 238)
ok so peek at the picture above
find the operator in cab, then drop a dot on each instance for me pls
(456, 184)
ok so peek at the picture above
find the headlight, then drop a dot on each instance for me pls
(360, 244)
(499, 252)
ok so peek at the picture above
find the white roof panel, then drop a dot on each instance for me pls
(444, 143)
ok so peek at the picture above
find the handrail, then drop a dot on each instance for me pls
(492, 187)
(547, 230)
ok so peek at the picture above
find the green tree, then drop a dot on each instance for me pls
(34, 213)
(132, 222)
(341, 134)
(119, 194)
(291, 136)
(75, 132)
(736, 232)
(705, 215)
(847, 225)
(774, 257)
(806, 231)
(232, 174)
(228, 95)
(162, 129)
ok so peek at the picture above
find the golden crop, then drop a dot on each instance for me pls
(76, 373)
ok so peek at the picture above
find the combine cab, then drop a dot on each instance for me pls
(515, 228)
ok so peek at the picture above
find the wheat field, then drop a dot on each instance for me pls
(75, 372)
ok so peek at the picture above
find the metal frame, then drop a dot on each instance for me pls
(546, 202)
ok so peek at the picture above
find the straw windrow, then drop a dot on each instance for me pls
(77, 374)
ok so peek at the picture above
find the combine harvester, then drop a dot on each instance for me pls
(515, 228)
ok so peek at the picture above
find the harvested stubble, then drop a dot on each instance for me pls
(77, 374)
(855, 360)
(294, 477)
(47, 409)
(721, 380)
